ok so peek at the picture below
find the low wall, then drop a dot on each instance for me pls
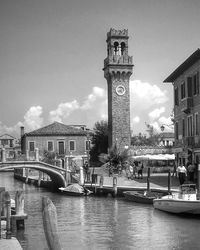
(45, 184)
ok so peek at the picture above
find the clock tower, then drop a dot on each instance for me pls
(117, 71)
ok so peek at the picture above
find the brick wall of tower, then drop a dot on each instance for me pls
(119, 115)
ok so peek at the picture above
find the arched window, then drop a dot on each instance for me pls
(123, 48)
(116, 48)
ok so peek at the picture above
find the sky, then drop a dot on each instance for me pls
(52, 53)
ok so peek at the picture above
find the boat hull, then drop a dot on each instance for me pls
(72, 193)
(177, 206)
(140, 197)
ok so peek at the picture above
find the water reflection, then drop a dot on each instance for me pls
(103, 223)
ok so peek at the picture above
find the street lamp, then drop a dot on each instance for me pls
(162, 128)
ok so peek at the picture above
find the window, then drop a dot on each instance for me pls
(71, 145)
(176, 130)
(116, 48)
(189, 86)
(183, 127)
(190, 126)
(196, 124)
(123, 48)
(32, 146)
(87, 145)
(176, 96)
(50, 145)
(61, 148)
(196, 84)
(4, 142)
(183, 90)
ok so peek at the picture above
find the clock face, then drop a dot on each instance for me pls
(120, 90)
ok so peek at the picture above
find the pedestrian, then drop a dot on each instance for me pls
(174, 170)
(127, 168)
(181, 170)
(131, 171)
(134, 170)
(140, 170)
(87, 171)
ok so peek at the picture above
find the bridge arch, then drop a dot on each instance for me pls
(54, 172)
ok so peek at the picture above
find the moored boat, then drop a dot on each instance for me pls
(145, 197)
(184, 201)
(75, 190)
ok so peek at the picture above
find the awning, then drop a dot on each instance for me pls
(158, 157)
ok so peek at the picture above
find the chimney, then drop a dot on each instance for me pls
(22, 131)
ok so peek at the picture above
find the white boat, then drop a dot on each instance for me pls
(75, 190)
(184, 201)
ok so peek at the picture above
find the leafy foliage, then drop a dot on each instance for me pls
(49, 157)
(99, 140)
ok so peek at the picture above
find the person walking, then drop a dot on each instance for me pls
(140, 170)
(134, 170)
(181, 170)
(87, 171)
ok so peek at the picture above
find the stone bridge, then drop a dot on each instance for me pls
(56, 174)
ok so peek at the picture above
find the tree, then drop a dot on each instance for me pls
(99, 140)
(49, 157)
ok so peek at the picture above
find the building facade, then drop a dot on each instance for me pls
(166, 139)
(117, 71)
(58, 138)
(10, 144)
(185, 80)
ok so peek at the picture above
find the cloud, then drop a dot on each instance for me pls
(98, 94)
(93, 109)
(33, 119)
(136, 119)
(63, 111)
(146, 95)
(155, 114)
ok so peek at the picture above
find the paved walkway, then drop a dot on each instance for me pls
(11, 244)
(157, 180)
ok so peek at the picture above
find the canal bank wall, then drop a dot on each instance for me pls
(114, 185)
(34, 181)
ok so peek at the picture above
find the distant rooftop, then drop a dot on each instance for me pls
(57, 128)
(7, 137)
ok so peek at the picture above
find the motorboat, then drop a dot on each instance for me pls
(145, 197)
(75, 190)
(184, 201)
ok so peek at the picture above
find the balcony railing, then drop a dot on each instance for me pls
(186, 104)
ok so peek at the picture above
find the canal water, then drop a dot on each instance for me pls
(103, 223)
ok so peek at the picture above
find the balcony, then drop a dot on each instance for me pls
(186, 104)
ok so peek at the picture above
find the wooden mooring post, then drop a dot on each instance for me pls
(114, 193)
(2, 190)
(148, 180)
(50, 224)
(101, 184)
(19, 216)
(169, 182)
(6, 206)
